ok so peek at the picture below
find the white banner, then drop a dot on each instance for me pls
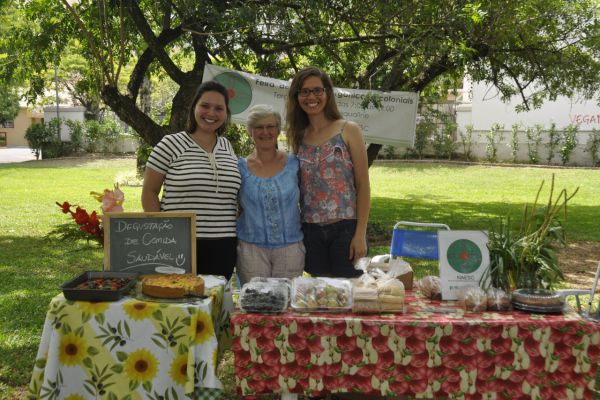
(393, 124)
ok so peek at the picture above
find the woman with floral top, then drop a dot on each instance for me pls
(268, 228)
(334, 176)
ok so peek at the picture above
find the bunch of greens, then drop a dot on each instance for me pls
(528, 258)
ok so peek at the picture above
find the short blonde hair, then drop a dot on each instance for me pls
(259, 112)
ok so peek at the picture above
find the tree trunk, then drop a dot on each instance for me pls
(129, 113)
(372, 151)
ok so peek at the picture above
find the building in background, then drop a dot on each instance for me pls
(12, 133)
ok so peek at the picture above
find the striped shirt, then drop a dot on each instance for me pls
(204, 183)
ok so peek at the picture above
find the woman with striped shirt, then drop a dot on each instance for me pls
(197, 170)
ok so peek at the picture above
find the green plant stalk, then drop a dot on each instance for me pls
(534, 245)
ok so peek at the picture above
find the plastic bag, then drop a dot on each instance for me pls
(391, 294)
(430, 286)
(473, 298)
(498, 300)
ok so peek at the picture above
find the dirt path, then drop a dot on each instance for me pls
(578, 262)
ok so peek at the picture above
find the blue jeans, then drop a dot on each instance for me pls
(328, 248)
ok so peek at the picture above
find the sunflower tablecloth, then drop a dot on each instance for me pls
(433, 350)
(133, 348)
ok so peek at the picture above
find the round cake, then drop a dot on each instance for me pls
(172, 286)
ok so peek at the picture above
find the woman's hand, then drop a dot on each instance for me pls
(358, 248)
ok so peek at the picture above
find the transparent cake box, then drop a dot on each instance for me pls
(321, 294)
(265, 295)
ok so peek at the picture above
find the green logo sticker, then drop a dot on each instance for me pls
(238, 89)
(464, 256)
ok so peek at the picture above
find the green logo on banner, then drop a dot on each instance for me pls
(238, 89)
(464, 256)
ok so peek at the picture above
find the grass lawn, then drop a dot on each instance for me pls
(32, 266)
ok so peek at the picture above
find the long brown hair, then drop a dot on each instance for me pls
(208, 86)
(296, 118)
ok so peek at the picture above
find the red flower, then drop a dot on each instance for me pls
(90, 224)
(66, 207)
(81, 216)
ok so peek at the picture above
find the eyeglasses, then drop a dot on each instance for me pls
(270, 127)
(318, 91)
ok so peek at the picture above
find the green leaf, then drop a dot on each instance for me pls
(118, 368)
(121, 356)
(133, 385)
(147, 385)
(157, 315)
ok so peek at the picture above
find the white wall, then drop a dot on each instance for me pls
(66, 113)
(481, 106)
(487, 108)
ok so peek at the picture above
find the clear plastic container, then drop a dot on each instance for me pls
(321, 294)
(265, 295)
(537, 300)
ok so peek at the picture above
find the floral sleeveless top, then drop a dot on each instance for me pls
(327, 190)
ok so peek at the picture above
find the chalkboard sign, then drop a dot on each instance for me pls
(150, 242)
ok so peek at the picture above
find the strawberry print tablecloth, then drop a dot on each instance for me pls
(133, 348)
(434, 349)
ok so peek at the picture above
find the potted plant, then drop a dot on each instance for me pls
(528, 259)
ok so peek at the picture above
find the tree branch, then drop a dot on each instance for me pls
(157, 48)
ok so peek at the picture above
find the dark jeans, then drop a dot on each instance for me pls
(328, 248)
(216, 256)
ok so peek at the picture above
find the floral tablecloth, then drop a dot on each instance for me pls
(432, 350)
(133, 348)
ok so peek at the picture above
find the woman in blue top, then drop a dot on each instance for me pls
(269, 230)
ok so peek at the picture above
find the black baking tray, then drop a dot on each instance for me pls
(71, 292)
(556, 309)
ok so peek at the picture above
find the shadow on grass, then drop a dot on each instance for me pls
(31, 272)
(385, 212)
(66, 162)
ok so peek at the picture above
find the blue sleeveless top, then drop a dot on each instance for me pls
(270, 213)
